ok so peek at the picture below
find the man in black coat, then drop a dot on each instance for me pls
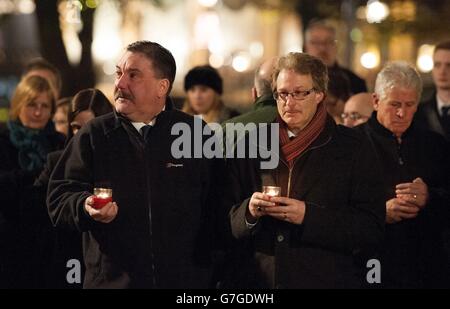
(416, 172)
(320, 42)
(434, 114)
(154, 233)
(329, 213)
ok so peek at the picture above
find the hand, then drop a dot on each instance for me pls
(289, 209)
(258, 204)
(105, 215)
(398, 209)
(415, 192)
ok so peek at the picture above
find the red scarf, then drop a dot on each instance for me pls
(293, 148)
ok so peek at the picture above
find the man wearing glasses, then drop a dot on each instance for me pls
(329, 210)
(320, 42)
(357, 109)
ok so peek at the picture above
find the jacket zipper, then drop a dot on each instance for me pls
(146, 152)
(289, 181)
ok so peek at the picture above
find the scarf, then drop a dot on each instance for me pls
(33, 145)
(291, 149)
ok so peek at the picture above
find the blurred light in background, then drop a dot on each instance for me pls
(26, 6)
(241, 62)
(376, 11)
(92, 4)
(256, 49)
(425, 58)
(206, 29)
(107, 43)
(216, 45)
(291, 36)
(7, 7)
(17, 6)
(216, 61)
(207, 3)
(370, 59)
(109, 67)
(70, 24)
(356, 35)
(71, 10)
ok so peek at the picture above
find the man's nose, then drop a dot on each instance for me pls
(349, 122)
(401, 112)
(290, 100)
(121, 82)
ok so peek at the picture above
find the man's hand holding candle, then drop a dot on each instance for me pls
(106, 214)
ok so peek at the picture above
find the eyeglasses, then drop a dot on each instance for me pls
(327, 43)
(296, 95)
(353, 116)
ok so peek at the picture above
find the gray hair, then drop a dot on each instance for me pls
(398, 74)
(263, 84)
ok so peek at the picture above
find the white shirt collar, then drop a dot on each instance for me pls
(138, 125)
(440, 105)
(290, 133)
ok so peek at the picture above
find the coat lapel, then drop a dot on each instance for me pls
(310, 172)
(433, 118)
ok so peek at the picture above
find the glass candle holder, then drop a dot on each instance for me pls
(272, 190)
(102, 197)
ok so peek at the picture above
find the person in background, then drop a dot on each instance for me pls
(204, 87)
(434, 114)
(86, 105)
(416, 167)
(24, 144)
(338, 94)
(49, 249)
(45, 69)
(43, 250)
(264, 107)
(30, 134)
(357, 109)
(321, 42)
(60, 116)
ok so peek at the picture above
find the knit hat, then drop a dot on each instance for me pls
(203, 75)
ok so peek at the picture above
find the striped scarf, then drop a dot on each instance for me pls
(291, 149)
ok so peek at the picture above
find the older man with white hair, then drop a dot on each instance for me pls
(416, 170)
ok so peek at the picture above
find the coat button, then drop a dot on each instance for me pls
(280, 238)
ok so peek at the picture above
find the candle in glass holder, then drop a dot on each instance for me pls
(272, 190)
(102, 197)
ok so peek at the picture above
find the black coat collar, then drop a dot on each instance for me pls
(122, 120)
(377, 127)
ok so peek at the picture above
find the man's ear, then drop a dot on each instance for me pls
(375, 101)
(163, 87)
(319, 97)
(254, 94)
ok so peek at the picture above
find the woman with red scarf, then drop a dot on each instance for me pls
(330, 213)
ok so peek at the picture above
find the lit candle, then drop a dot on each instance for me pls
(102, 197)
(272, 190)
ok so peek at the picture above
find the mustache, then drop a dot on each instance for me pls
(122, 95)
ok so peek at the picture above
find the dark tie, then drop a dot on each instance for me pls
(446, 120)
(145, 131)
(446, 112)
